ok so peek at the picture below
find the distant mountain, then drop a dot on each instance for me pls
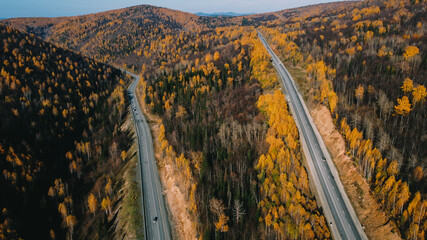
(222, 14)
(95, 34)
(131, 30)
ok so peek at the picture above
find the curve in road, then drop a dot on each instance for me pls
(338, 210)
(156, 218)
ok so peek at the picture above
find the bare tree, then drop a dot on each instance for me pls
(368, 125)
(384, 142)
(238, 210)
(386, 106)
(216, 206)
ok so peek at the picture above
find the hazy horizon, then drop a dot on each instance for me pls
(51, 8)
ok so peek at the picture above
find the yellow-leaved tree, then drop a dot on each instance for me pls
(216, 56)
(71, 222)
(92, 203)
(410, 51)
(403, 106)
(106, 205)
(108, 187)
(217, 207)
(221, 225)
(332, 99)
(419, 94)
(359, 92)
(408, 85)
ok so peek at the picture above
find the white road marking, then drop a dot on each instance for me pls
(309, 138)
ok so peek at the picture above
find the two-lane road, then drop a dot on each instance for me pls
(156, 218)
(337, 208)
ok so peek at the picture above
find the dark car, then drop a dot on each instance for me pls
(155, 219)
(323, 158)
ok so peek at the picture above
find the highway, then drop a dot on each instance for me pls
(338, 211)
(156, 218)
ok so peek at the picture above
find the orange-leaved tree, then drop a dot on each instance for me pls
(403, 107)
(410, 51)
(92, 203)
(408, 85)
(419, 94)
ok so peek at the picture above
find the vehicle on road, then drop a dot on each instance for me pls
(333, 198)
(152, 200)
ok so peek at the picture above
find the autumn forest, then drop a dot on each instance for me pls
(228, 149)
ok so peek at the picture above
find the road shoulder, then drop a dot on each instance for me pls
(368, 211)
(129, 221)
(183, 223)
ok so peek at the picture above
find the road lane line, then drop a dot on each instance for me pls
(307, 133)
(145, 145)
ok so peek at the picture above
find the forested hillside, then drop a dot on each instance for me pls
(119, 36)
(205, 85)
(130, 36)
(216, 117)
(226, 142)
(61, 142)
(367, 63)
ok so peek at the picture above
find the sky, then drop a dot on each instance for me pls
(56, 8)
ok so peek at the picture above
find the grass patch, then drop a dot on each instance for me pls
(129, 222)
(132, 205)
(300, 77)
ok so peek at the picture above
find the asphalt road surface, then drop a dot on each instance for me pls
(156, 218)
(337, 208)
